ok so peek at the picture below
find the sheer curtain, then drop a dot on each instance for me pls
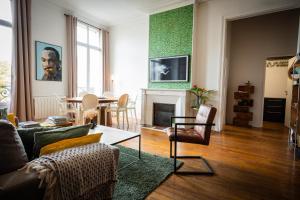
(72, 55)
(106, 65)
(21, 98)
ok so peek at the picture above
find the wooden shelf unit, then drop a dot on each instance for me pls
(242, 107)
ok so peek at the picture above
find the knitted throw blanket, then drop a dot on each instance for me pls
(85, 172)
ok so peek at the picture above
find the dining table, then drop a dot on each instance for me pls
(102, 101)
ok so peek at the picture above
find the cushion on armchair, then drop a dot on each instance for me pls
(12, 154)
(44, 138)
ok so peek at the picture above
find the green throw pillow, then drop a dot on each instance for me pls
(3, 113)
(47, 137)
(27, 137)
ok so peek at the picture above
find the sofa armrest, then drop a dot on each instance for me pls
(116, 154)
(20, 185)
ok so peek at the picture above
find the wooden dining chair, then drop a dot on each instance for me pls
(199, 134)
(120, 107)
(108, 95)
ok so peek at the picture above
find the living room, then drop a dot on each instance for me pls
(112, 48)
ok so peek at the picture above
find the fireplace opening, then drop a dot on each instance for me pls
(162, 113)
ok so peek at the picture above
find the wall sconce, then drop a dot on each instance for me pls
(112, 78)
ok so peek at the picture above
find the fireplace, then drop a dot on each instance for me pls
(162, 113)
(179, 99)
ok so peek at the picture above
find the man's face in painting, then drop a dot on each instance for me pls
(49, 63)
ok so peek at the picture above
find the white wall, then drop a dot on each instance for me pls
(129, 57)
(49, 25)
(211, 42)
(276, 82)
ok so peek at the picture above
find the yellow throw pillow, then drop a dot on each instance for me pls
(69, 143)
(11, 118)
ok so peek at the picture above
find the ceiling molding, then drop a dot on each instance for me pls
(172, 6)
(105, 14)
(80, 14)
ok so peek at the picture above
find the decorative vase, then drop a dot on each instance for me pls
(199, 101)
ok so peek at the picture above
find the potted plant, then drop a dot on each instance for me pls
(202, 95)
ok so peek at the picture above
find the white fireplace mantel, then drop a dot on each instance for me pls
(180, 98)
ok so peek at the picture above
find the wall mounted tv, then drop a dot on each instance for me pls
(169, 69)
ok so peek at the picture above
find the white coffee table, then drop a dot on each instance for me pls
(113, 136)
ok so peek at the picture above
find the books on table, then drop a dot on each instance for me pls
(29, 124)
(57, 120)
(51, 121)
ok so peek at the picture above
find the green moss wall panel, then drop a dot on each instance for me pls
(171, 35)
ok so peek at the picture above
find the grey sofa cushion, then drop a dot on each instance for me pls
(12, 154)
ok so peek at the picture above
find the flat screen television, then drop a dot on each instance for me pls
(169, 69)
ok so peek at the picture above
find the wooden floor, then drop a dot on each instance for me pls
(249, 164)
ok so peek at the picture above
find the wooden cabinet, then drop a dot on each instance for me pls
(274, 109)
(243, 104)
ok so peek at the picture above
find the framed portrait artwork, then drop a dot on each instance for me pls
(48, 59)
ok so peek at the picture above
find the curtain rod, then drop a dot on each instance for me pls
(81, 21)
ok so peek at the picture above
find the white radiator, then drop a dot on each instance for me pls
(45, 107)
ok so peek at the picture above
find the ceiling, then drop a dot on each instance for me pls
(114, 12)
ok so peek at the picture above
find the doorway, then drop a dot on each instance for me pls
(252, 41)
(276, 89)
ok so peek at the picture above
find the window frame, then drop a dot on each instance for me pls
(7, 92)
(89, 47)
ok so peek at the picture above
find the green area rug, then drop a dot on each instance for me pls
(137, 178)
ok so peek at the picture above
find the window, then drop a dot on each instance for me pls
(5, 51)
(89, 59)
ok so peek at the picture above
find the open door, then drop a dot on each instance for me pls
(275, 90)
